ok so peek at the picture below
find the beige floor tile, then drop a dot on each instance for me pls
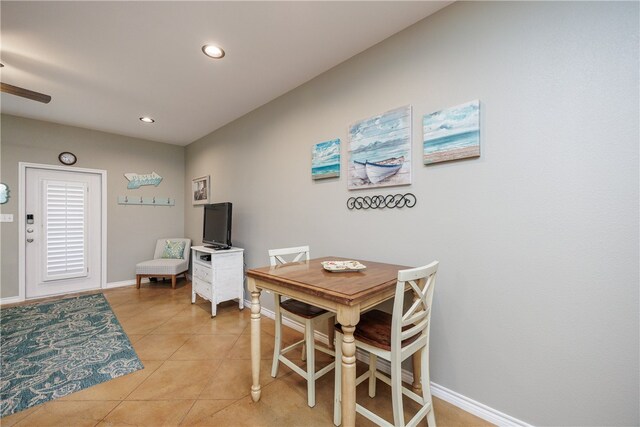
(69, 413)
(159, 347)
(232, 380)
(11, 420)
(176, 380)
(225, 323)
(242, 348)
(119, 296)
(290, 401)
(204, 347)
(131, 309)
(246, 413)
(143, 323)
(452, 416)
(168, 309)
(202, 412)
(145, 413)
(188, 321)
(135, 337)
(118, 388)
(198, 310)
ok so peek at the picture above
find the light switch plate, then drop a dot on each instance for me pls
(6, 217)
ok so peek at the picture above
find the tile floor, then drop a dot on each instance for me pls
(198, 373)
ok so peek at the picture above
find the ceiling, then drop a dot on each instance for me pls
(106, 64)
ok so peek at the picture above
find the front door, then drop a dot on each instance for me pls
(63, 231)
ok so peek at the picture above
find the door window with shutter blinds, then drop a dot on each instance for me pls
(65, 230)
(64, 220)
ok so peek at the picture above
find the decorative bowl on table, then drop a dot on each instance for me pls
(342, 266)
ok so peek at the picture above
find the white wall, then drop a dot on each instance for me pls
(536, 308)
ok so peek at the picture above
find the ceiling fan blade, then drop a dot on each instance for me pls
(25, 93)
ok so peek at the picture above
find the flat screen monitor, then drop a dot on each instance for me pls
(217, 225)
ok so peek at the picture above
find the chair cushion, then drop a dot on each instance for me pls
(173, 250)
(374, 329)
(301, 309)
(162, 266)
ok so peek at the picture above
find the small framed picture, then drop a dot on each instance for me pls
(200, 190)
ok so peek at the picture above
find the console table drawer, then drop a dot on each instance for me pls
(204, 289)
(201, 272)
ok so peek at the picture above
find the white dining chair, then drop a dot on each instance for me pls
(305, 314)
(395, 337)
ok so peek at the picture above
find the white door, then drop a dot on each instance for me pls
(63, 231)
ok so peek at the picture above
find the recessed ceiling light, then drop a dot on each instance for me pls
(213, 51)
(146, 119)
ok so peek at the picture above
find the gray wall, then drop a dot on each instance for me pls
(536, 308)
(131, 230)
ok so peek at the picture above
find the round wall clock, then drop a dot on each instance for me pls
(67, 158)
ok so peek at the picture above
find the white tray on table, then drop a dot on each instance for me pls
(343, 266)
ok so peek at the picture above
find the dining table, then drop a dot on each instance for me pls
(348, 294)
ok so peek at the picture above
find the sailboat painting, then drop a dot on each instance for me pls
(452, 134)
(325, 160)
(380, 150)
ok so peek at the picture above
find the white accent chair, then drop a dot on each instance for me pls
(307, 315)
(395, 337)
(165, 267)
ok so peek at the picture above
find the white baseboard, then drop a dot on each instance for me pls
(16, 299)
(471, 406)
(11, 300)
(124, 283)
(476, 408)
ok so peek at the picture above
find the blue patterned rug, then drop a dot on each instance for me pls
(49, 350)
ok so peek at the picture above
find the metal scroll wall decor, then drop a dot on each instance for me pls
(390, 201)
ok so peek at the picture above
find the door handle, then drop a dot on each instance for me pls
(29, 240)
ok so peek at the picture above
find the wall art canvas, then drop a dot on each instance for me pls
(4, 193)
(452, 134)
(200, 190)
(380, 150)
(325, 160)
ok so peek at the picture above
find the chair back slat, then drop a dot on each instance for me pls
(419, 303)
(279, 256)
(416, 319)
(414, 330)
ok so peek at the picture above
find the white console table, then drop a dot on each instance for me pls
(219, 279)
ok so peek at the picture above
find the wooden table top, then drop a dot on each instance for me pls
(345, 288)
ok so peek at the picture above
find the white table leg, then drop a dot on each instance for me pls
(255, 343)
(348, 317)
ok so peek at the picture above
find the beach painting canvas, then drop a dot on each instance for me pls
(452, 134)
(325, 160)
(380, 150)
